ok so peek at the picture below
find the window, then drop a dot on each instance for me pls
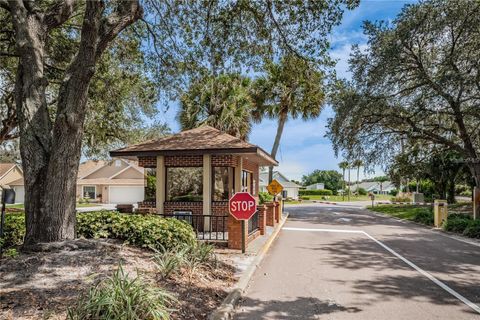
(150, 184)
(247, 185)
(184, 184)
(222, 183)
(90, 192)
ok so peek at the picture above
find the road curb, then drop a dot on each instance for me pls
(226, 309)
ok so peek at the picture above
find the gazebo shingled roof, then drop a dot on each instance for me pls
(201, 140)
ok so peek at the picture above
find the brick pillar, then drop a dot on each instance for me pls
(235, 233)
(270, 214)
(262, 218)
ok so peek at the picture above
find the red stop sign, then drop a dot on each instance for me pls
(242, 205)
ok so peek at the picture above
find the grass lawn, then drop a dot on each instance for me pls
(422, 214)
(352, 198)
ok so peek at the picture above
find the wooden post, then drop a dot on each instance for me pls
(207, 190)
(476, 202)
(160, 184)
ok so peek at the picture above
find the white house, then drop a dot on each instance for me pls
(291, 187)
(316, 186)
(376, 187)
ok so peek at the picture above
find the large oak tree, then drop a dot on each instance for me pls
(418, 81)
(184, 41)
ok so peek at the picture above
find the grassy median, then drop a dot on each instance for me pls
(421, 214)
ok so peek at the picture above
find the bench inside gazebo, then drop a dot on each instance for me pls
(197, 171)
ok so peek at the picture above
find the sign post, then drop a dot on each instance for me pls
(242, 206)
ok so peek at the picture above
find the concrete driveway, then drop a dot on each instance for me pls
(343, 262)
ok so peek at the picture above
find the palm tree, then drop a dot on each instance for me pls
(357, 164)
(344, 166)
(223, 102)
(291, 88)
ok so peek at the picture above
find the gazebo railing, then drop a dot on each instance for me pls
(253, 223)
(206, 227)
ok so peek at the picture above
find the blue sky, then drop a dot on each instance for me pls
(304, 147)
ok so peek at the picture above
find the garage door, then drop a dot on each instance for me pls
(19, 194)
(126, 194)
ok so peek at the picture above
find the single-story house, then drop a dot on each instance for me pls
(115, 181)
(376, 187)
(316, 186)
(290, 187)
(198, 170)
(10, 175)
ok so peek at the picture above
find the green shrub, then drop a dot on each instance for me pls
(264, 197)
(121, 297)
(14, 231)
(457, 223)
(393, 192)
(424, 216)
(473, 229)
(172, 260)
(362, 191)
(145, 231)
(304, 198)
(169, 261)
(320, 192)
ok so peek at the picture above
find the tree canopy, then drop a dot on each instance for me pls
(224, 102)
(418, 81)
(330, 178)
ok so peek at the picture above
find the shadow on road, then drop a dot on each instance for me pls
(297, 309)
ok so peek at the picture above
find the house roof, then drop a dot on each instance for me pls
(276, 175)
(107, 181)
(108, 176)
(375, 186)
(201, 140)
(5, 168)
(18, 182)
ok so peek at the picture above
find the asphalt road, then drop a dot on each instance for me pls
(334, 262)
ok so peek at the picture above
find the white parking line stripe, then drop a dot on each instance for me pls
(408, 262)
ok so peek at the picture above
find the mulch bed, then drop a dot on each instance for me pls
(42, 285)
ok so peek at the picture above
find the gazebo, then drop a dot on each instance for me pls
(197, 171)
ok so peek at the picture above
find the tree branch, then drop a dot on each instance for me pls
(59, 12)
(126, 13)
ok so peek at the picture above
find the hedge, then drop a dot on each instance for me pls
(462, 224)
(140, 230)
(320, 192)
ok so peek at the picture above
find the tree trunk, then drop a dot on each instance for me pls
(51, 153)
(348, 183)
(281, 124)
(475, 170)
(358, 180)
(451, 192)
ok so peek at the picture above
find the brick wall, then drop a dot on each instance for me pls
(170, 207)
(147, 162)
(224, 160)
(220, 208)
(184, 161)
